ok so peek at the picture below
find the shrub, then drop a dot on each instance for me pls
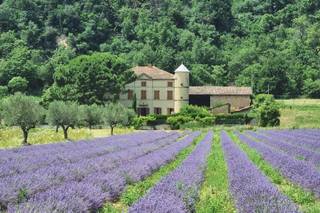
(177, 121)
(18, 84)
(140, 121)
(239, 118)
(266, 110)
(191, 116)
(195, 111)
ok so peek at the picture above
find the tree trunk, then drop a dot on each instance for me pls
(111, 129)
(65, 132)
(57, 128)
(25, 137)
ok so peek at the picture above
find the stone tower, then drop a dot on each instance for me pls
(181, 93)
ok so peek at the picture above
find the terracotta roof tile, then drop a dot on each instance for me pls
(218, 90)
(153, 72)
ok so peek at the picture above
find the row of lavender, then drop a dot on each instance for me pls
(59, 165)
(87, 183)
(252, 191)
(16, 161)
(29, 176)
(289, 147)
(308, 139)
(280, 151)
(177, 192)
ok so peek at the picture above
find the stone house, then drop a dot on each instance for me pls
(160, 92)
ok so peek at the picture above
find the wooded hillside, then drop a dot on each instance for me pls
(274, 44)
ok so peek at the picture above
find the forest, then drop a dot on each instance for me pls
(81, 50)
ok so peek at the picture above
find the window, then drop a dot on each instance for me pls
(156, 95)
(130, 94)
(170, 95)
(170, 84)
(157, 110)
(143, 94)
(143, 83)
(170, 111)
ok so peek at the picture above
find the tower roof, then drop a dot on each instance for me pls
(182, 68)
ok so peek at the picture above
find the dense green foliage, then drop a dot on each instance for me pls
(22, 111)
(238, 118)
(266, 110)
(191, 117)
(90, 79)
(271, 45)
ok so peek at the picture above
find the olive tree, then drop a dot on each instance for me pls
(117, 114)
(23, 111)
(91, 115)
(64, 115)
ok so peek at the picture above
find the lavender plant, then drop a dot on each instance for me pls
(299, 140)
(252, 191)
(295, 170)
(293, 150)
(80, 191)
(178, 191)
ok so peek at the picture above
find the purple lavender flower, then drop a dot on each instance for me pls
(177, 192)
(295, 170)
(107, 178)
(252, 191)
(299, 139)
(299, 152)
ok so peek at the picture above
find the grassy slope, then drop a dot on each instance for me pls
(137, 190)
(214, 194)
(304, 199)
(12, 137)
(300, 113)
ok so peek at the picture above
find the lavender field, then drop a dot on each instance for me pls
(159, 171)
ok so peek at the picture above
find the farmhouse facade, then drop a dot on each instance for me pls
(156, 91)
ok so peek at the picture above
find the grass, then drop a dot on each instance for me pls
(214, 194)
(304, 199)
(12, 137)
(135, 191)
(300, 113)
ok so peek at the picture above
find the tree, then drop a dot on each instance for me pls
(18, 84)
(91, 79)
(64, 115)
(312, 89)
(3, 91)
(91, 115)
(23, 111)
(116, 114)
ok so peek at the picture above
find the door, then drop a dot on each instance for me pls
(143, 111)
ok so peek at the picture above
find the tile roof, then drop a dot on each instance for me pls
(218, 90)
(153, 72)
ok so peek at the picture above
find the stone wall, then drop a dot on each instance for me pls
(237, 101)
